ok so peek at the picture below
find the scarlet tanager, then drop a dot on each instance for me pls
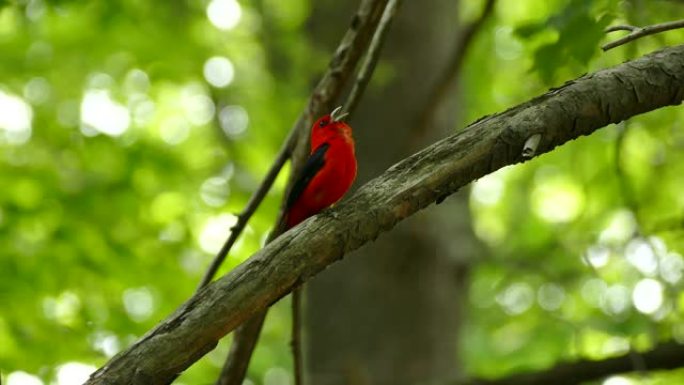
(329, 171)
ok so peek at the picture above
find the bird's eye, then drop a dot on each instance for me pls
(323, 123)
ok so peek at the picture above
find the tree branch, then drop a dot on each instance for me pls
(296, 338)
(362, 79)
(371, 58)
(365, 24)
(577, 108)
(253, 203)
(665, 356)
(330, 87)
(639, 32)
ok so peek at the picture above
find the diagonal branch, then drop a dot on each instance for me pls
(362, 79)
(330, 87)
(366, 23)
(371, 58)
(639, 32)
(665, 356)
(577, 108)
(253, 203)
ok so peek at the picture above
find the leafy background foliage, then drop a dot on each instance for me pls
(131, 132)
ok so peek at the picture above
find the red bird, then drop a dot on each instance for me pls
(328, 173)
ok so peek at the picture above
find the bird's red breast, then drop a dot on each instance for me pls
(329, 171)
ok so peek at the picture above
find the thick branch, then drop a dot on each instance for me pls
(575, 109)
(666, 356)
(639, 32)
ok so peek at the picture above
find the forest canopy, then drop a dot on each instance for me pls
(133, 133)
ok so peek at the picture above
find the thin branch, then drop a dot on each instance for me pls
(614, 28)
(253, 203)
(639, 32)
(363, 77)
(353, 44)
(578, 108)
(326, 92)
(447, 79)
(371, 58)
(255, 325)
(668, 355)
(296, 339)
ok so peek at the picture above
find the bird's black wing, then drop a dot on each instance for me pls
(313, 165)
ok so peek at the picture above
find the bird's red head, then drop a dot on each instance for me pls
(331, 126)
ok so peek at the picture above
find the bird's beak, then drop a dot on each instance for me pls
(337, 115)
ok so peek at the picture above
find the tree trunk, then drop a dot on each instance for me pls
(391, 315)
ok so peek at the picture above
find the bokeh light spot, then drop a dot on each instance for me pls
(617, 380)
(550, 296)
(106, 342)
(640, 254)
(648, 296)
(616, 300)
(73, 373)
(23, 378)
(63, 309)
(142, 109)
(215, 191)
(139, 303)
(215, 231)
(488, 190)
(219, 71)
(198, 108)
(234, 121)
(598, 255)
(101, 113)
(224, 14)
(136, 81)
(671, 267)
(516, 299)
(621, 226)
(15, 119)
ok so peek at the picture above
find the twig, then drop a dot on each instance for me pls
(639, 32)
(371, 58)
(665, 356)
(250, 329)
(362, 79)
(328, 89)
(296, 339)
(252, 205)
(443, 84)
(342, 65)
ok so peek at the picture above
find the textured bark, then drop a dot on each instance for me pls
(390, 314)
(575, 109)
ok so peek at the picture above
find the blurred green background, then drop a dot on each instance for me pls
(132, 132)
